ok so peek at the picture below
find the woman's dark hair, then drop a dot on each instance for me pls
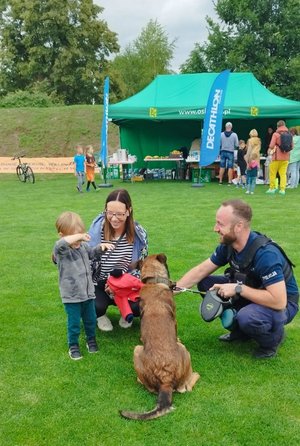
(122, 196)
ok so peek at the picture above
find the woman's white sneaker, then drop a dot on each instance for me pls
(104, 323)
(124, 324)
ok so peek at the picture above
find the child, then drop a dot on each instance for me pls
(79, 167)
(252, 169)
(90, 163)
(242, 165)
(75, 279)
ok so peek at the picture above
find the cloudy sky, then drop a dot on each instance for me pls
(183, 20)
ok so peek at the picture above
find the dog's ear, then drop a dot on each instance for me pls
(162, 258)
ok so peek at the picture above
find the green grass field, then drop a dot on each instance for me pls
(47, 399)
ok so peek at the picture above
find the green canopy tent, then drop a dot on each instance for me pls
(169, 112)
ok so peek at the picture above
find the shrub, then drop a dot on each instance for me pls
(22, 98)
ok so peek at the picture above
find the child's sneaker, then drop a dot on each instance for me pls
(74, 352)
(92, 345)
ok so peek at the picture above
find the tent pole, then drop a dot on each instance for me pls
(104, 171)
(200, 180)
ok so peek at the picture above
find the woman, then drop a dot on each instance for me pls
(294, 163)
(116, 224)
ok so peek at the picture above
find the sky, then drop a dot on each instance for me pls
(183, 20)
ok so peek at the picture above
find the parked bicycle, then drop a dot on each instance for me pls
(24, 171)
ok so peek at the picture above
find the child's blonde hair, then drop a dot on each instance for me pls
(69, 223)
(89, 149)
(254, 156)
(79, 148)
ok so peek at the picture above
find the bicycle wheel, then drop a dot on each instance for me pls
(21, 174)
(30, 175)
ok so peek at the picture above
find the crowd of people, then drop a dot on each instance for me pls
(281, 167)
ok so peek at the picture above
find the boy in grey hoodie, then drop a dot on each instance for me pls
(72, 256)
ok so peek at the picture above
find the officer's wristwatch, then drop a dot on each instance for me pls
(238, 289)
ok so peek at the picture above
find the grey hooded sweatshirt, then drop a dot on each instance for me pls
(75, 278)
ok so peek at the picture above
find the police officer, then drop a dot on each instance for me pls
(265, 291)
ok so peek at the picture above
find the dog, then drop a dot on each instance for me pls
(162, 363)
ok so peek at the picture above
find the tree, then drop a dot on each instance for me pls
(258, 36)
(141, 61)
(195, 62)
(56, 46)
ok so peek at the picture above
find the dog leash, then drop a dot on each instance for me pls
(174, 287)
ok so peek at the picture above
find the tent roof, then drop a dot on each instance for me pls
(184, 97)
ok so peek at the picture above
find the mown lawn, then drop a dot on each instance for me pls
(47, 399)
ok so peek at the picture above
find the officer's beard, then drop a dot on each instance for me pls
(229, 238)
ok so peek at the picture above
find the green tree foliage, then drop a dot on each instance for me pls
(141, 61)
(261, 36)
(196, 62)
(55, 46)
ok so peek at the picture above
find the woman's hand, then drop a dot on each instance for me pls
(108, 291)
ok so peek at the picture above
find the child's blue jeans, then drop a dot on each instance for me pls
(80, 180)
(251, 182)
(77, 311)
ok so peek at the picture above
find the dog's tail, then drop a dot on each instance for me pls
(164, 406)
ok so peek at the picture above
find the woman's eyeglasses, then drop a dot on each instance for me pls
(118, 215)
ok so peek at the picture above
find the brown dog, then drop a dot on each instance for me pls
(162, 364)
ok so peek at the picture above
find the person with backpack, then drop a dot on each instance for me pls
(280, 146)
(260, 282)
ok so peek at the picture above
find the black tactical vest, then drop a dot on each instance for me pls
(244, 271)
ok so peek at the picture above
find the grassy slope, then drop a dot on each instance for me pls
(52, 131)
(47, 399)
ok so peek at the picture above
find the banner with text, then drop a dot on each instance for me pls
(210, 145)
(39, 165)
(103, 153)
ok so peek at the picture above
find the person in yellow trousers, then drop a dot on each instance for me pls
(280, 160)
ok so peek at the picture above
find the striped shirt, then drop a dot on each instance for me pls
(120, 258)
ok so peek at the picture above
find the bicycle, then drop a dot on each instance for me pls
(24, 171)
